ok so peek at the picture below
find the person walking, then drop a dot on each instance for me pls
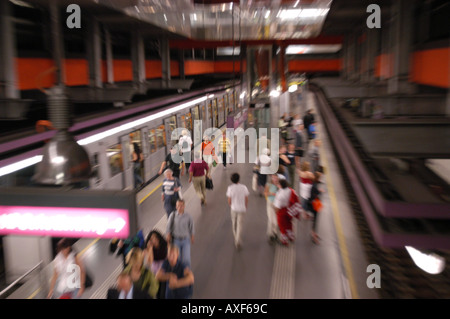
(271, 189)
(290, 154)
(198, 171)
(225, 148)
(264, 162)
(314, 206)
(177, 275)
(180, 231)
(186, 146)
(209, 152)
(154, 256)
(170, 163)
(141, 276)
(306, 182)
(237, 195)
(125, 289)
(64, 263)
(137, 159)
(287, 206)
(170, 187)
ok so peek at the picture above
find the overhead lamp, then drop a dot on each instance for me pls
(293, 88)
(64, 161)
(430, 263)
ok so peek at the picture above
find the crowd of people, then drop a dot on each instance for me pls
(158, 266)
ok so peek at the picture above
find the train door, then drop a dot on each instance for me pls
(170, 124)
(114, 165)
(215, 114)
(196, 130)
(209, 122)
(204, 116)
(146, 152)
(137, 144)
(128, 180)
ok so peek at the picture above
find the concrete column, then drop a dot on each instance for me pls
(351, 58)
(402, 14)
(57, 42)
(370, 54)
(109, 57)
(138, 57)
(181, 64)
(343, 73)
(94, 52)
(8, 76)
(165, 59)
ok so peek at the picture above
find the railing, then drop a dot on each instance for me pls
(4, 291)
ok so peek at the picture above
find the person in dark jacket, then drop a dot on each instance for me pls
(125, 289)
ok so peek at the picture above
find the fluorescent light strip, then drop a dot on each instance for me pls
(96, 137)
(8, 169)
(127, 126)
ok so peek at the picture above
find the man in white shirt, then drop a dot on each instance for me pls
(237, 194)
(186, 146)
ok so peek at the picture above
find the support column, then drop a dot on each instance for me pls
(402, 14)
(282, 68)
(181, 68)
(165, 59)
(138, 58)
(109, 57)
(343, 73)
(370, 53)
(94, 52)
(57, 43)
(351, 58)
(8, 76)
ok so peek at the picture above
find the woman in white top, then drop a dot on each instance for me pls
(68, 275)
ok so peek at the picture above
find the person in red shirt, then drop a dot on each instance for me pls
(209, 152)
(197, 172)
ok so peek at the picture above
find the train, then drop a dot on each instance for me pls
(108, 138)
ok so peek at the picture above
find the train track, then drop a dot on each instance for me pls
(400, 277)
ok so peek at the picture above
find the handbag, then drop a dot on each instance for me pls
(209, 183)
(88, 282)
(316, 204)
(174, 198)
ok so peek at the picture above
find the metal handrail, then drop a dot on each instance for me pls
(19, 279)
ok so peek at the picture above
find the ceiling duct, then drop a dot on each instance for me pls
(64, 161)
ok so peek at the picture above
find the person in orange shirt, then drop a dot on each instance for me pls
(209, 152)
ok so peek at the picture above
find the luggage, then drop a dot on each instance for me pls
(209, 183)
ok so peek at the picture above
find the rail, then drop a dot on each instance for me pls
(4, 291)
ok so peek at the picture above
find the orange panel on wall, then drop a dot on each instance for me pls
(198, 67)
(123, 70)
(30, 70)
(314, 65)
(431, 67)
(226, 66)
(76, 71)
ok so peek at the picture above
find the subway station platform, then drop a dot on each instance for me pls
(335, 269)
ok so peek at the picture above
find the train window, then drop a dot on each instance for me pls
(216, 114)
(152, 140)
(203, 112)
(220, 118)
(161, 137)
(195, 114)
(115, 160)
(183, 121)
(189, 121)
(210, 110)
(231, 103)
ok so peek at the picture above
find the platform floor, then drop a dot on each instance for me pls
(335, 269)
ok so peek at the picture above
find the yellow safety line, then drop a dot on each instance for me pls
(147, 196)
(340, 234)
(34, 293)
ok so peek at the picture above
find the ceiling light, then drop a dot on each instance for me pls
(267, 14)
(431, 263)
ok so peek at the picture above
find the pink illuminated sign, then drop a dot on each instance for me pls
(64, 221)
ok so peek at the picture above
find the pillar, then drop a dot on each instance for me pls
(8, 76)
(94, 52)
(109, 57)
(401, 39)
(138, 57)
(165, 59)
(181, 68)
(57, 42)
